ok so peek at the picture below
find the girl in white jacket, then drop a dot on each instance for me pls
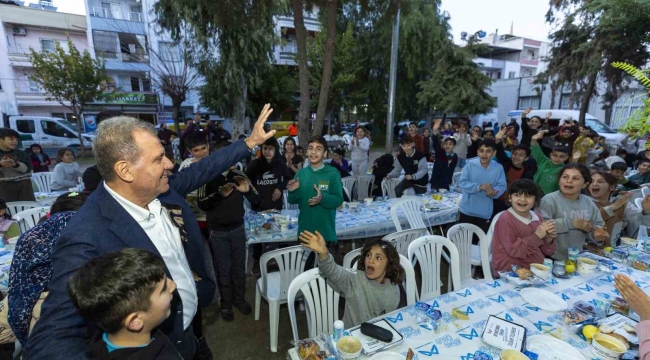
(359, 147)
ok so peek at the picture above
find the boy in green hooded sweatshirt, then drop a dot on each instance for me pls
(547, 169)
(318, 191)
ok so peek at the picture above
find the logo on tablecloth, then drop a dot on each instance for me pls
(448, 341)
(552, 282)
(467, 311)
(494, 285)
(564, 297)
(607, 278)
(465, 294)
(433, 350)
(639, 283)
(587, 288)
(395, 319)
(541, 324)
(472, 334)
(508, 317)
(534, 308)
(409, 332)
(499, 299)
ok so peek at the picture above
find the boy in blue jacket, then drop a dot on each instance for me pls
(482, 181)
(446, 160)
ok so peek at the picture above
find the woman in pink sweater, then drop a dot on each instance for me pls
(521, 237)
(640, 303)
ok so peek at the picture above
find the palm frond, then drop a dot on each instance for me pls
(637, 73)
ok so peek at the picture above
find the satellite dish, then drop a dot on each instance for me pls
(481, 34)
(463, 35)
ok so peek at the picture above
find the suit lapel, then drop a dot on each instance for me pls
(122, 223)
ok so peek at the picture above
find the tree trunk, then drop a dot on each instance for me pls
(303, 73)
(586, 96)
(176, 109)
(327, 66)
(239, 112)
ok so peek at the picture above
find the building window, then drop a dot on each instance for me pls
(512, 74)
(529, 101)
(105, 44)
(111, 10)
(169, 51)
(525, 72)
(566, 98)
(49, 45)
(135, 84)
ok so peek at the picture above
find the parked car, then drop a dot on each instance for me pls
(612, 138)
(49, 132)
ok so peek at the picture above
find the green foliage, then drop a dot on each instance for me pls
(235, 45)
(638, 120)
(72, 79)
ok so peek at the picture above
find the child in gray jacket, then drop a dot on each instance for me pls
(370, 291)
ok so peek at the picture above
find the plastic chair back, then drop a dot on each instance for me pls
(27, 219)
(410, 287)
(428, 251)
(15, 207)
(349, 258)
(411, 207)
(348, 183)
(291, 263)
(43, 181)
(365, 184)
(461, 235)
(285, 200)
(402, 239)
(322, 303)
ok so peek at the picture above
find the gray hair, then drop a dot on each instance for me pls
(115, 142)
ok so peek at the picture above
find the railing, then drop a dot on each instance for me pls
(26, 86)
(18, 49)
(105, 13)
(123, 57)
(115, 14)
(289, 49)
(126, 87)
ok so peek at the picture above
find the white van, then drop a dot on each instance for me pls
(49, 132)
(612, 137)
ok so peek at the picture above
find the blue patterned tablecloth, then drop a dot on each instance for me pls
(47, 199)
(368, 221)
(459, 339)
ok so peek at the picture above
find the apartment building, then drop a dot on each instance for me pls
(513, 56)
(285, 53)
(39, 28)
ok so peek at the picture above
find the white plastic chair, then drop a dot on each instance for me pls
(489, 236)
(336, 137)
(348, 184)
(15, 207)
(470, 255)
(176, 144)
(27, 219)
(350, 257)
(327, 137)
(430, 168)
(428, 250)
(281, 143)
(43, 181)
(402, 239)
(388, 187)
(285, 202)
(322, 303)
(273, 286)
(347, 139)
(412, 209)
(364, 186)
(455, 178)
(410, 287)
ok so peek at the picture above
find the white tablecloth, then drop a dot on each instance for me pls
(459, 339)
(369, 220)
(47, 199)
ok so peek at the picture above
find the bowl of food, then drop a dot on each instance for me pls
(586, 265)
(607, 347)
(353, 205)
(368, 200)
(540, 270)
(350, 348)
(628, 241)
(512, 354)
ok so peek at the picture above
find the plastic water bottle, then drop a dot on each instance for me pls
(2, 243)
(339, 330)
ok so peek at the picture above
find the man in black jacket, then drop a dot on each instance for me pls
(446, 160)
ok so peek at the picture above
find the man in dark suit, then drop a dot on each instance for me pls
(141, 205)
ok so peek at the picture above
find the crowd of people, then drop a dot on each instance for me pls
(118, 271)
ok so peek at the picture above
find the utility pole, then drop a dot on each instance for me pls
(392, 83)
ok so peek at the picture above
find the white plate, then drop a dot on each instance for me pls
(550, 348)
(388, 355)
(543, 299)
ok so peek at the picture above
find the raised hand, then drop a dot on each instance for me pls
(539, 135)
(583, 224)
(645, 205)
(293, 185)
(544, 229)
(526, 111)
(242, 185)
(258, 135)
(276, 194)
(226, 190)
(436, 125)
(314, 242)
(548, 115)
(633, 296)
(502, 132)
(316, 199)
(621, 201)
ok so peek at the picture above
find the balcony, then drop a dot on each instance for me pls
(115, 14)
